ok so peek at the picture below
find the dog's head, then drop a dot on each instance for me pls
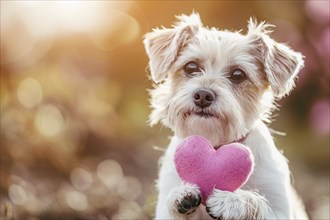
(214, 83)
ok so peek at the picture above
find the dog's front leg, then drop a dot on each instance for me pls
(181, 202)
(240, 204)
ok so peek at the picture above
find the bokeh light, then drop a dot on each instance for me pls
(320, 117)
(49, 120)
(128, 210)
(319, 11)
(29, 93)
(130, 188)
(81, 178)
(110, 172)
(32, 24)
(17, 194)
(113, 30)
(76, 200)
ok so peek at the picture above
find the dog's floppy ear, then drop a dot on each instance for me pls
(281, 64)
(163, 45)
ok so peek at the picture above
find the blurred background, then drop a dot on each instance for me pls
(74, 139)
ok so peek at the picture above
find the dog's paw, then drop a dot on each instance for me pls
(240, 204)
(184, 200)
(188, 203)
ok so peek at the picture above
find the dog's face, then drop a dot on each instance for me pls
(216, 84)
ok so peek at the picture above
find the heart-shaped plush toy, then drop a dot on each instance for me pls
(227, 168)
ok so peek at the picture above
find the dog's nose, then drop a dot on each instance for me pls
(203, 97)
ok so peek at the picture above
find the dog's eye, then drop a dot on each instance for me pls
(191, 68)
(237, 76)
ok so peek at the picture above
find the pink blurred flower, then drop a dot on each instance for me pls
(318, 11)
(320, 117)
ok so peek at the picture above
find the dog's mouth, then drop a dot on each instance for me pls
(204, 114)
(201, 113)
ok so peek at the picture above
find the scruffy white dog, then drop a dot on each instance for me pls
(222, 85)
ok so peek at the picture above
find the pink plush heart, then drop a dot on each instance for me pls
(227, 168)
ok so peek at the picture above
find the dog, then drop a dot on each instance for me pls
(222, 85)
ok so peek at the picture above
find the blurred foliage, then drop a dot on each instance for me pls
(74, 139)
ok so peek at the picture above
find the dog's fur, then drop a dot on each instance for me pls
(239, 110)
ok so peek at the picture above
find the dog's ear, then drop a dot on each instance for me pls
(163, 45)
(281, 64)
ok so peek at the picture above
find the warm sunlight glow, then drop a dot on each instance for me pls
(35, 24)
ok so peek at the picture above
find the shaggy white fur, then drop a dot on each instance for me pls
(267, 70)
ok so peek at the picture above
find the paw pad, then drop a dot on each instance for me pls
(188, 204)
